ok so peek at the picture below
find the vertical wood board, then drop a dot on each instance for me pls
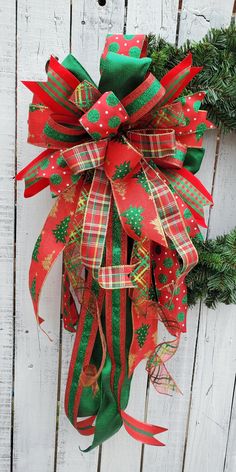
(7, 207)
(43, 28)
(159, 17)
(198, 16)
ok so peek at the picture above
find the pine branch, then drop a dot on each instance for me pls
(213, 280)
(217, 53)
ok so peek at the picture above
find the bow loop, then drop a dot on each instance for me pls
(104, 117)
(143, 98)
(159, 145)
(86, 156)
(85, 95)
(122, 74)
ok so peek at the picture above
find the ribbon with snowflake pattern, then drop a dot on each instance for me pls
(120, 160)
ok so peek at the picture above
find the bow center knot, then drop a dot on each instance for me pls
(105, 117)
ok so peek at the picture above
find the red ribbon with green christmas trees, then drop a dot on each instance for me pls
(120, 161)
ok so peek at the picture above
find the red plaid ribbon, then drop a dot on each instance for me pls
(116, 277)
(86, 156)
(171, 219)
(85, 95)
(158, 144)
(96, 220)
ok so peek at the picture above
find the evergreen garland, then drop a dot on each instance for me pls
(213, 280)
(217, 53)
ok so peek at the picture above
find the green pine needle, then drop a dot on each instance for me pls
(216, 52)
(213, 280)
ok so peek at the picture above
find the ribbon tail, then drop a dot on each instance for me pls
(96, 221)
(80, 373)
(142, 432)
(50, 243)
(160, 377)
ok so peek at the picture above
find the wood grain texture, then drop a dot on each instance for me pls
(230, 455)
(153, 16)
(90, 25)
(43, 28)
(216, 351)
(198, 16)
(212, 391)
(7, 205)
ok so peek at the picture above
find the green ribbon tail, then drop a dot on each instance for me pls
(109, 420)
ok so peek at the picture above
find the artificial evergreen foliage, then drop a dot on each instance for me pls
(213, 280)
(217, 53)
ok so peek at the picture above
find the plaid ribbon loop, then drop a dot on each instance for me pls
(160, 145)
(85, 156)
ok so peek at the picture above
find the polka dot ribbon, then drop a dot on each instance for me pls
(104, 117)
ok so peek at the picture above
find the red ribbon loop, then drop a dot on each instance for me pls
(104, 117)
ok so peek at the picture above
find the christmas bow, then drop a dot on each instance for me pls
(120, 158)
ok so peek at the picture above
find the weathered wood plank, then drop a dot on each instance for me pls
(90, 25)
(43, 28)
(153, 17)
(198, 16)
(194, 27)
(216, 352)
(230, 456)
(42, 31)
(7, 145)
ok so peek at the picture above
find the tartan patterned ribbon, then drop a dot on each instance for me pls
(120, 159)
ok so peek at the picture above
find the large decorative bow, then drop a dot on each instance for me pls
(120, 158)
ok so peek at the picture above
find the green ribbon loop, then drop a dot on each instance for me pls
(193, 159)
(122, 74)
(74, 66)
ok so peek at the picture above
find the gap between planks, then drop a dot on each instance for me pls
(14, 251)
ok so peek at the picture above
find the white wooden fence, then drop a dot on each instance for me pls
(202, 423)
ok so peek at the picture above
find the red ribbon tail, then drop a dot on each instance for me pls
(140, 431)
(85, 426)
